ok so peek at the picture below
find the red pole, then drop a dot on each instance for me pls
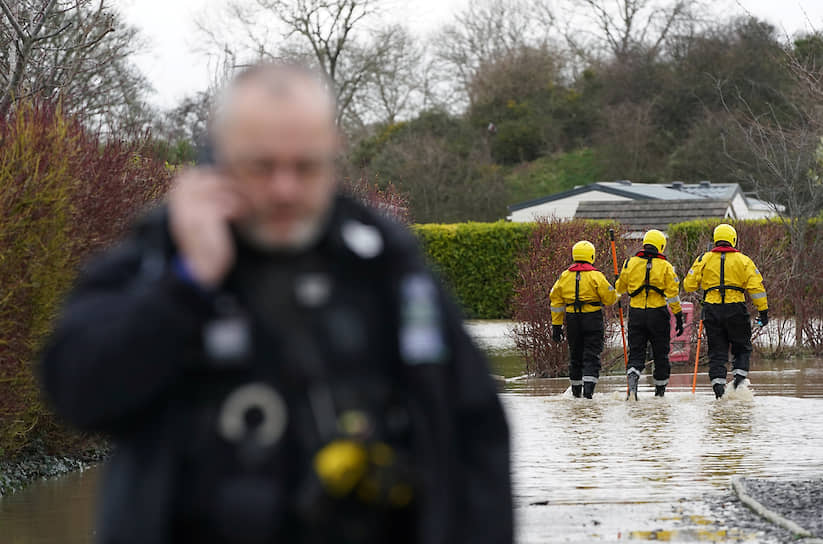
(620, 310)
(697, 355)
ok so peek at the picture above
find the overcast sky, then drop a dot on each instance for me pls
(175, 69)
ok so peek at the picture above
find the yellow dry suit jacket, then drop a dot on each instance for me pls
(655, 271)
(725, 275)
(580, 289)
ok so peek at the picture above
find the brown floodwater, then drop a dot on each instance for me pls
(607, 470)
(55, 511)
(584, 471)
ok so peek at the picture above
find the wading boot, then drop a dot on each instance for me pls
(659, 390)
(719, 389)
(633, 379)
(588, 389)
(577, 391)
(741, 362)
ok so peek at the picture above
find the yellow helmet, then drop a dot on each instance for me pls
(655, 238)
(583, 251)
(725, 233)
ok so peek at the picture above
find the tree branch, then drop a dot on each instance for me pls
(10, 16)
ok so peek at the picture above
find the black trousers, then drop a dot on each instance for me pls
(727, 326)
(585, 334)
(650, 325)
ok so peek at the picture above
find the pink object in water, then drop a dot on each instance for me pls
(680, 346)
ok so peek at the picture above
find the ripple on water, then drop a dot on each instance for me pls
(627, 464)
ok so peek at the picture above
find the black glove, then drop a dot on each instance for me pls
(763, 318)
(678, 327)
(557, 333)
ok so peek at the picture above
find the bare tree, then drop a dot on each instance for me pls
(523, 72)
(26, 29)
(778, 153)
(400, 83)
(77, 51)
(487, 30)
(330, 34)
(188, 121)
(629, 27)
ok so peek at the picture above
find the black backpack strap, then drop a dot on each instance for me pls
(722, 287)
(723, 278)
(646, 285)
(577, 304)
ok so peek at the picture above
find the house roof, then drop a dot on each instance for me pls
(599, 186)
(717, 191)
(652, 214)
(645, 191)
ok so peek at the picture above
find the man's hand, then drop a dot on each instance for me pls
(201, 206)
(678, 327)
(557, 333)
(763, 318)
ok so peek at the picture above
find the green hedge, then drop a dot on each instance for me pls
(478, 261)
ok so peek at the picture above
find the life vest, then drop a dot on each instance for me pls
(722, 287)
(577, 268)
(646, 285)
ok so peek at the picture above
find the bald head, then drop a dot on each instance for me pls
(276, 139)
(274, 87)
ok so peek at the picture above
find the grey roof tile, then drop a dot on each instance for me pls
(647, 214)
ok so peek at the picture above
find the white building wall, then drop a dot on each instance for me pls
(760, 214)
(743, 211)
(564, 208)
(740, 207)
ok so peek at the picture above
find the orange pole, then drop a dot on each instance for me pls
(697, 355)
(620, 310)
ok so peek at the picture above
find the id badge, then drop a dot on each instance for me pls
(227, 340)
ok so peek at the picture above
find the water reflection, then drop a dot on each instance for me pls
(727, 440)
(642, 469)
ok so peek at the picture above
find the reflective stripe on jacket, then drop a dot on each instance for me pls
(661, 275)
(594, 291)
(739, 272)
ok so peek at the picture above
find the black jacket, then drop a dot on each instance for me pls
(128, 358)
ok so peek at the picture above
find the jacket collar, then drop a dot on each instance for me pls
(644, 254)
(581, 267)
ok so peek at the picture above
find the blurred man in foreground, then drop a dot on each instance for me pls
(274, 361)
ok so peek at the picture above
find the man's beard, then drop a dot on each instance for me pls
(303, 234)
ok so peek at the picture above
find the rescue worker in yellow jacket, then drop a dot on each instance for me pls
(725, 275)
(651, 283)
(579, 295)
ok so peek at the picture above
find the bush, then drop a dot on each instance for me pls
(63, 194)
(441, 162)
(387, 200)
(548, 175)
(549, 253)
(477, 261)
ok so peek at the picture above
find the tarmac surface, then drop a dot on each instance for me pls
(799, 501)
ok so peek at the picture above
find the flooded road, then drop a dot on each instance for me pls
(587, 471)
(607, 470)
